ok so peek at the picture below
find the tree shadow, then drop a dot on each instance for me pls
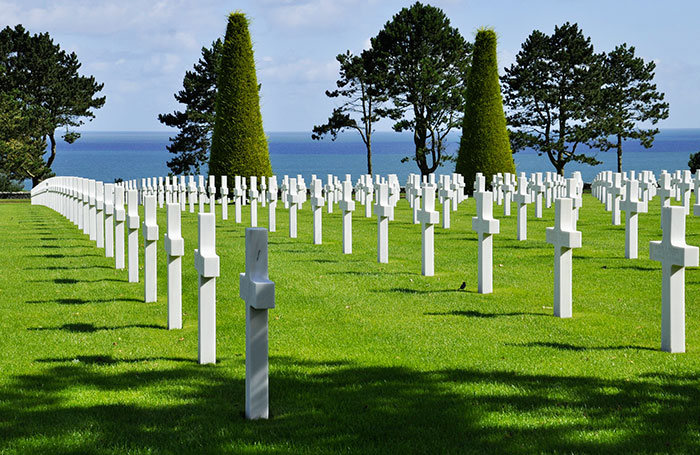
(401, 290)
(81, 327)
(75, 281)
(571, 347)
(77, 301)
(72, 267)
(341, 408)
(481, 314)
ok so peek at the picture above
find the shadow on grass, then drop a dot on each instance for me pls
(571, 347)
(60, 255)
(72, 267)
(426, 291)
(109, 360)
(76, 301)
(317, 408)
(481, 314)
(75, 281)
(81, 327)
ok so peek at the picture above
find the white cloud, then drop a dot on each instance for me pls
(312, 13)
(301, 71)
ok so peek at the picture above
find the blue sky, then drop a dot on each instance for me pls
(141, 49)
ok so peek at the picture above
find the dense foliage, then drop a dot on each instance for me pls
(45, 79)
(192, 143)
(694, 162)
(22, 145)
(484, 146)
(424, 61)
(551, 92)
(629, 97)
(360, 85)
(239, 145)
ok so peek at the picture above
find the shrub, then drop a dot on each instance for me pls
(484, 146)
(238, 145)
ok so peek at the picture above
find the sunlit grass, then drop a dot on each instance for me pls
(364, 357)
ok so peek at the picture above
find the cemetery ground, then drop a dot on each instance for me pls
(364, 357)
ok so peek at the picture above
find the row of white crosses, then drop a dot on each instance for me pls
(77, 199)
(672, 251)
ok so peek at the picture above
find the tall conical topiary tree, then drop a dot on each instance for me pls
(484, 146)
(238, 145)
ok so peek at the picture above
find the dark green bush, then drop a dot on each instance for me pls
(484, 146)
(239, 145)
(694, 162)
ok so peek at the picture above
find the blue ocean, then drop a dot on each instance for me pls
(108, 156)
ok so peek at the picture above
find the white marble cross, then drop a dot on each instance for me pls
(109, 219)
(317, 202)
(182, 188)
(119, 220)
(293, 201)
(615, 192)
(192, 188)
(263, 191)
(161, 192)
(330, 193)
(99, 215)
(347, 206)
(202, 193)
(564, 237)
(237, 198)
(272, 203)
(665, 192)
(675, 255)
(212, 194)
(224, 197)
(150, 236)
(92, 226)
(539, 189)
(383, 211)
(259, 294)
(507, 189)
(486, 226)
(132, 224)
(522, 198)
(574, 189)
(447, 195)
(368, 189)
(685, 186)
(253, 195)
(428, 217)
(632, 206)
(175, 248)
(206, 262)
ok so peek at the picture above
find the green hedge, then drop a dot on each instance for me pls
(484, 146)
(239, 145)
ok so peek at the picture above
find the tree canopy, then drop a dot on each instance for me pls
(360, 87)
(196, 122)
(44, 76)
(551, 92)
(424, 61)
(629, 97)
(239, 145)
(484, 146)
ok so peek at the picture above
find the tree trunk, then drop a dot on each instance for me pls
(619, 153)
(369, 154)
(419, 139)
(52, 139)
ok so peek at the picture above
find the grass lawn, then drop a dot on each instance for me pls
(364, 357)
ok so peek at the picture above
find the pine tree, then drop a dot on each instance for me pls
(484, 146)
(239, 145)
(196, 122)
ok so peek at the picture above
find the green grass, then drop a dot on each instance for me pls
(364, 357)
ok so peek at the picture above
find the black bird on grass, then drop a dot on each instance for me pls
(464, 285)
